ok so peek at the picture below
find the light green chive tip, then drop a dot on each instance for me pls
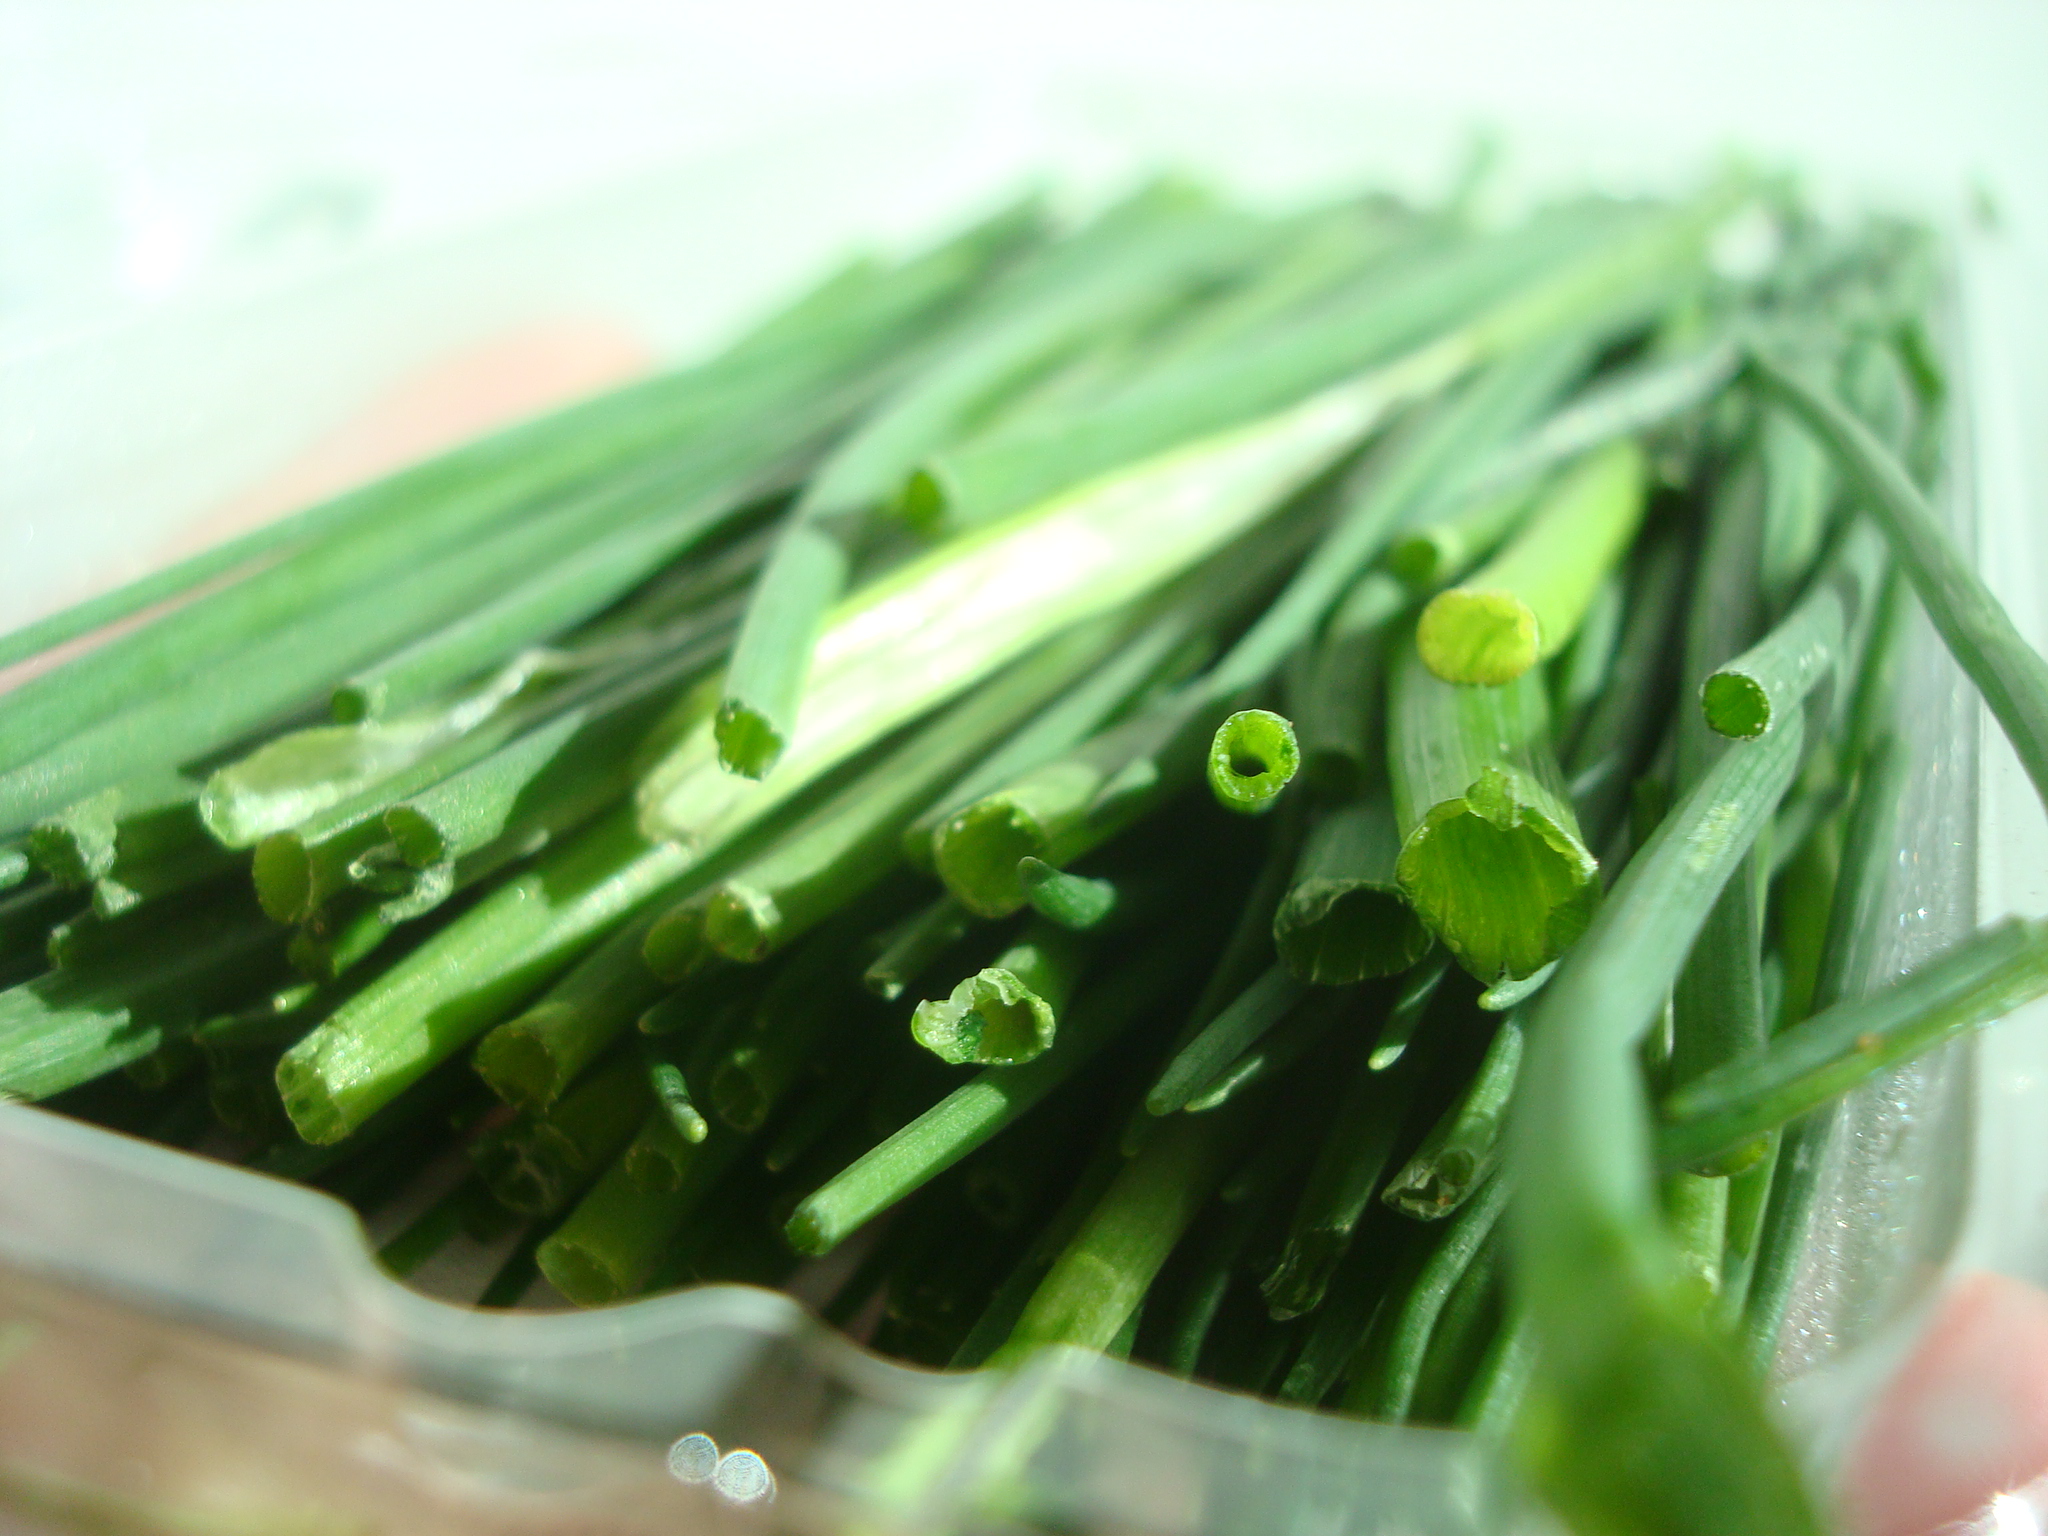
(1251, 758)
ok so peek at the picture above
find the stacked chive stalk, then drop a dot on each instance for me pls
(1288, 798)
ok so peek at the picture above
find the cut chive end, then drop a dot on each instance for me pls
(1479, 637)
(1419, 559)
(991, 1020)
(1299, 1280)
(515, 1062)
(577, 1273)
(420, 842)
(1252, 757)
(1072, 901)
(1736, 705)
(923, 502)
(309, 1098)
(1335, 932)
(1503, 886)
(742, 923)
(355, 702)
(739, 1090)
(978, 850)
(284, 878)
(748, 744)
(675, 947)
(812, 1231)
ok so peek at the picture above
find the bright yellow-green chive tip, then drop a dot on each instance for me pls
(1481, 637)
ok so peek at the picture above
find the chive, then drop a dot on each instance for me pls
(1464, 1146)
(1255, 1011)
(610, 1244)
(2009, 673)
(979, 364)
(1458, 537)
(1007, 1013)
(970, 1115)
(1529, 599)
(1338, 721)
(529, 1060)
(1465, 1329)
(1799, 494)
(1625, 1357)
(433, 1229)
(130, 843)
(1411, 1006)
(826, 1108)
(1611, 741)
(840, 850)
(1581, 673)
(915, 946)
(1387, 1391)
(1273, 1053)
(1467, 296)
(541, 1161)
(1100, 1278)
(1252, 757)
(70, 1026)
(461, 979)
(1076, 902)
(268, 1025)
(1356, 1295)
(1340, 1187)
(1491, 856)
(980, 601)
(1343, 918)
(787, 1028)
(1744, 695)
(1977, 981)
(1501, 1382)
(701, 1003)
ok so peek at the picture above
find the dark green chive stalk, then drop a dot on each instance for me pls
(530, 1060)
(1102, 1275)
(1337, 721)
(1464, 1146)
(1580, 675)
(1344, 918)
(1527, 602)
(971, 1114)
(469, 974)
(842, 849)
(1743, 696)
(129, 844)
(1387, 1390)
(1628, 1371)
(1341, 1185)
(1254, 1012)
(1278, 1049)
(69, 1026)
(1978, 981)
(1465, 1329)
(1008, 1012)
(1252, 757)
(2010, 674)
(1798, 498)
(1412, 1003)
(977, 365)
(1491, 856)
(789, 1030)
(543, 1160)
(915, 946)
(1641, 678)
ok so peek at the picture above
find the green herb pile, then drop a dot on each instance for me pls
(1287, 797)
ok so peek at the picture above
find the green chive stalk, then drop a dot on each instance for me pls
(1337, 721)
(915, 946)
(1257, 1010)
(1344, 918)
(1076, 902)
(1252, 757)
(1412, 1005)
(1464, 1146)
(1491, 856)
(469, 974)
(543, 1160)
(2010, 674)
(1527, 602)
(1640, 1419)
(1008, 1012)
(967, 1117)
(129, 844)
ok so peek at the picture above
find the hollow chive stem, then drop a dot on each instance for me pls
(1337, 723)
(787, 1031)
(1622, 1342)
(1344, 918)
(1491, 856)
(1253, 1013)
(977, 603)
(1008, 1012)
(1388, 1390)
(463, 978)
(839, 851)
(1464, 1146)
(1465, 1329)
(1525, 603)
(915, 946)
(130, 844)
(1979, 980)
(1743, 696)
(530, 1060)
(611, 1243)
(1102, 1276)
(434, 1228)
(1252, 757)
(1341, 1184)
(1076, 902)
(971, 1114)
(2010, 674)
(541, 1161)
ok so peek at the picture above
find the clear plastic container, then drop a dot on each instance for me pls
(189, 1347)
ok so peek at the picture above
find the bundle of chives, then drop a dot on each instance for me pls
(520, 831)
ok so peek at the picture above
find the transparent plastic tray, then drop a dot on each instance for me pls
(189, 1347)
